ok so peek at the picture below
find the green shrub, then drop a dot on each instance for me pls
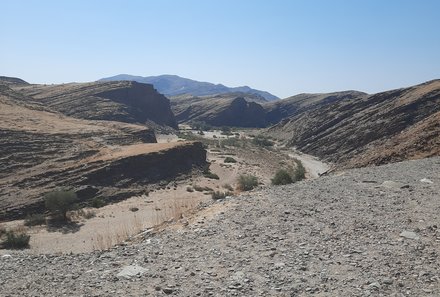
(247, 182)
(299, 172)
(34, 220)
(16, 241)
(282, 177)
(97, 202)
(60, 202)
(189, 189)
(230, 160)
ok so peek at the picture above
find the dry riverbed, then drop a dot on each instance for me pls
(118, 222)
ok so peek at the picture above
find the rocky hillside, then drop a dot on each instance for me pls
(362, 232)
(128, 102)
(234, 109)
(11, 80)
(209, 108)
(369, 130)
(173, 85)
(42, 150)
(276, 111)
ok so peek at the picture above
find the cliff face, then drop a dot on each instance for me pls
(128, 102)
(42, 150)
(221, 110)
(374, 129)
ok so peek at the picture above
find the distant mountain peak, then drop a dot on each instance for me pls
(174, 85)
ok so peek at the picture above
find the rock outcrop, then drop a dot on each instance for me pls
(221, 110)
(42, 150)
(128, 102)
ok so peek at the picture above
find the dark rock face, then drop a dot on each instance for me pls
(346, 130)
(239, 113)
(144, 104)
(128, 102)
(148, 168)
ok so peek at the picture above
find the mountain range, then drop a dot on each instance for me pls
(173, 85)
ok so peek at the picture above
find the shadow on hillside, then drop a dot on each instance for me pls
(63, 226)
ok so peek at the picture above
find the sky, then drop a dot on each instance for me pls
(284, 47)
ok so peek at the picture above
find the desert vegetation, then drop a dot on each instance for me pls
(217, 195)
(289, 175)
(35, 219)
(263, 141)
(14, 239)
(60, 202)
(247, 182)
(230, 160)
(282, 177)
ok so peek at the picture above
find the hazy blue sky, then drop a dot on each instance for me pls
(284, 47)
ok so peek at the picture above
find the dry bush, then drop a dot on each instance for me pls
(247, 182)
(35, 219)
(16, 240)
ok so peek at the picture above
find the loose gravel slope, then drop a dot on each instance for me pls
(363, 232)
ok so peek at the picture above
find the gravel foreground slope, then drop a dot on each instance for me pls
(363, 232)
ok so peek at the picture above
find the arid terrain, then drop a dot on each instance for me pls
(361, 232)
(173, 217)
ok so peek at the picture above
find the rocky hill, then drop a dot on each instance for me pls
(233, 109)
(12, 80)
(206, 108)
(173, 85)
(43, 150)
(128, 102)
(362, 232)
(281, 109)
(369, 130)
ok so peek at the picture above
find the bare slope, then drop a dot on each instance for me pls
(129, 102)
(42, 150)
(375, 129)
(281, 109)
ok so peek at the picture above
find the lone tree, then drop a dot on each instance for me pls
(60, 202)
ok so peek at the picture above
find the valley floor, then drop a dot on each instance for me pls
(362, 232)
